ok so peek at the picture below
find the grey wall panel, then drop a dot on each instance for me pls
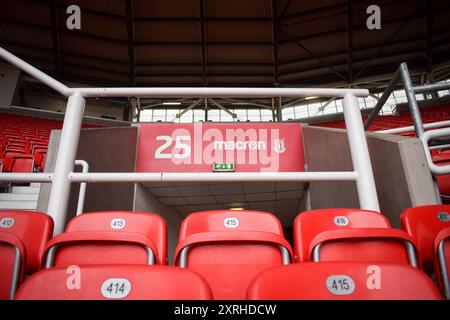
(106, 150)
(401, 173)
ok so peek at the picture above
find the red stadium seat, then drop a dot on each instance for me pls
(443, 159)
(18, 163)
(39, 160)
(115, 237)
(350, 235)
(33, 229)
(100, 282)
(43, 158)
(429, 226)
(14, 151)
(343, 281)
(228, 248)
(441, 247)
(12, 255)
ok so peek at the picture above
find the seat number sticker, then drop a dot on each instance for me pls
(341, 221)
(340, 285)
(443, 216)
(231, 222)
(116, 288)
(6, 223)
(118, 223)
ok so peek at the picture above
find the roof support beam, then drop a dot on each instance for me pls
(130, 36)
(55, 37)
(275, 60)
(392, 36)
(192, 106)
(283, 11)
(361, 26)
(279, 105)
(300, 45)
(221, 107)
(197, 64)
(334, 11)
(326, 104)
(350, 40)
(198, 19)
(429, 36)
(204, 48)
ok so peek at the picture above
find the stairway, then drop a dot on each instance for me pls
(21, 197)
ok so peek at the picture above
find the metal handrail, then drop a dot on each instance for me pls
(419, 127)
(63, 174)
(82, 192)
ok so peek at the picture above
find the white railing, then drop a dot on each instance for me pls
(63, 174)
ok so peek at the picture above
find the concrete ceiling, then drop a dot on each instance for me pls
(284, 199)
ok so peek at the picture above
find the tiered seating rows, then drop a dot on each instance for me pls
(338, 254)
(24, 142)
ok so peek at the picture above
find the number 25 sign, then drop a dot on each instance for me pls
(249, 147)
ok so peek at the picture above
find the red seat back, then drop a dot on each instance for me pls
(228, 248)
(423, 223)
(98, 238)
(18, 163)
(347, 235)
(34, 229)
(442, 260)
(443, 159)
(12, 256)
(130, 282)
(23, 164)
(343, 281)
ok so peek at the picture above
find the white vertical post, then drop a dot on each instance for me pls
(83, 185)
(65, 161)
(359, 151)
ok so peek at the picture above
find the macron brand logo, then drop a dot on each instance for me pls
(239, 145)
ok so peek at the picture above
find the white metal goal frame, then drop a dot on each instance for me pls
(63, 175)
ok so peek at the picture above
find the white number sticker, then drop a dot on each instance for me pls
(116, 288)
(443, 216)
(341, 221)
(118, 223)
(184, 147)
(231, 222)
(6, 223)
(340, 285)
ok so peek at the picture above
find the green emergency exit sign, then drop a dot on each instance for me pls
(223, 167)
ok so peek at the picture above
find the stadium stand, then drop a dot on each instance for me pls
(228, 248)
(24, 141)
(402, 119)
(222, 254)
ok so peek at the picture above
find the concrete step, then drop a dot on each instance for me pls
(18, 205)
(19, 196)
(34, 190)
